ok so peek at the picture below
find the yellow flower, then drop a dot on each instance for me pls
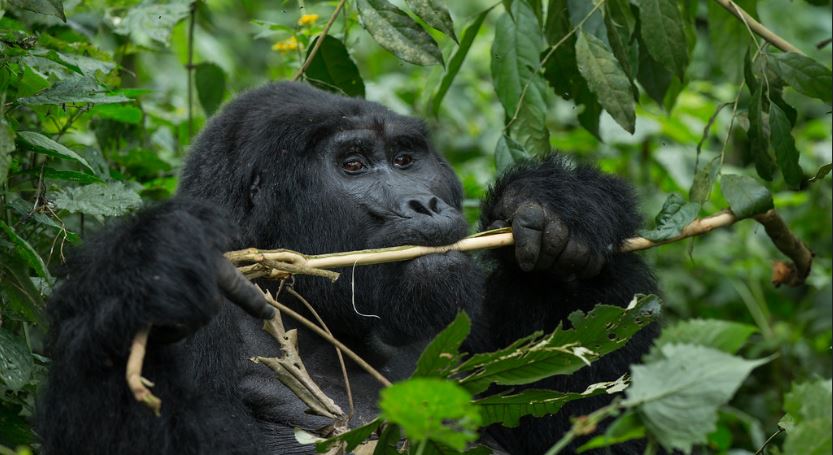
(287, 45)
(308, 19)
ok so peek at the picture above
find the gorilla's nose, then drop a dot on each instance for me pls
(423, 205)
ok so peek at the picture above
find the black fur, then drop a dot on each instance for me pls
(266, 173)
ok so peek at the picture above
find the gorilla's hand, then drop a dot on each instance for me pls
(543, 241)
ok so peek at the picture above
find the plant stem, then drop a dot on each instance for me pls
(189, 68)
(319, 41)
(758, 28)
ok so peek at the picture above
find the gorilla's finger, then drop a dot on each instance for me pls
(527, 229)
(553, 242)
(593, 266)
(573, 258)
(242, 292)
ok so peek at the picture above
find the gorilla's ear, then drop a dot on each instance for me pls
(254, 187)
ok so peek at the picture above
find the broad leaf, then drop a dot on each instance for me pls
(444, 350)
(703, 182)
(508, 408)
(431, 408)
(456, 60)
(726, 336)
(508, 152)
(351, 439)
(729, 37)
(6, 148)
(20, 295)
(662, 29)
(822, 172)
(618, 22)
(101, 199)
(674, 216)
(607, 80)
(653, 76)
(786, 154)
(759, 134)
(388, 441)
(78, 89)
(692, 378)
(435, 14)
(397, 32)
(124, 113)
(149, 24)
(333, 69)
(809, 418)
(745, 195)
(15, 361)
(42, 144)
(603, 330)
(26, 251)
(804, 74)
(210, 81)
(47, 7)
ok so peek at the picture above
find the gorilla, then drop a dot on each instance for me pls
(291, 166)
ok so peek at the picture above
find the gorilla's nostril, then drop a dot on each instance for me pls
(417, 206)
(433, 205)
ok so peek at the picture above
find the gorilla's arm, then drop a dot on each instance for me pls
(161, 267)
(568, 222)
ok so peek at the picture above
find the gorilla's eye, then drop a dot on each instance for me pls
(403, 160)
(352, 165)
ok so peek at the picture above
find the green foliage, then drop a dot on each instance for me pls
(745, 195)
(333, 69)
(676, 214)
(809, 418)
(210, 81)
(397, 32)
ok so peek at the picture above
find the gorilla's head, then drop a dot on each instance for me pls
(300, 168)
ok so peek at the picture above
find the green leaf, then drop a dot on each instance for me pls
(18, 292)
(508, 152)
(26, 251)
(149, 24)
(675, 214)
(821, 173)
(431, 408)
(726, 336)
(677, 396)
(77, 89)
(124, 113)
(653, 76)
(810, 417)
(601, 331)
(42, 144)
(703, 182)
(625, 428)
(508, 408)
(70, 176)
(100, 199)
(606, 79)
(333, 69)
(759, 134)
(435, 14)
(397, 32)
(804, 74)
(619, 23)
(210, 81)
(46, 7)
(729, 37)
(15, 361)
(780, 130)
(443, 351)
(388, 441)
(457, 59)
(745, 195)
(351, 438)
(663, 29)
(6, 148)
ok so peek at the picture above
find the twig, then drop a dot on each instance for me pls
(758, 28)
(766, 443)
(318, 42)
(133, 373)
(824, 43)
(794, 273)
(189, 68)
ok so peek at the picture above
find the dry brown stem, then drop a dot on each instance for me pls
(137, 384)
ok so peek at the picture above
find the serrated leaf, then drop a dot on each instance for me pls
(15, 361)
(6, 148)
(351, 438)
(804, 74)
(508, 408)
(693, 378)
(745, 195)
(26, 251)
(809, 418)
(42, 144)
(333, 69)
(606, 79)
(726, 336)
(508, 152)
(675, 214)
(100, 199)
(759, 134)
(149, 24)
(435, 14)
(431, 409)
(663, 28)
(210, 81)
(443, 351)
(703, 182)
(786, 155)
(456, 60)
(601, 331)
(77, 89)
(397, 32)
(46, 7)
